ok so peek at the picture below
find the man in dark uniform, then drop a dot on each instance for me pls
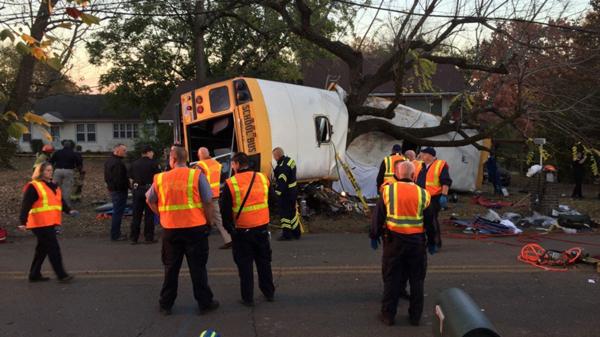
(578, 174)
(245, 211)
(117, 182)
(386, 169)
(434, 176)
(65, 161)
(141, 173)
(398, 218)
(287, 192)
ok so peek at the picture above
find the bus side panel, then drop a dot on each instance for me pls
(254, 127)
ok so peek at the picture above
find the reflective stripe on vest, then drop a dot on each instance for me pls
(47, 209)
(405, 203)
(179, 201)
(417, 164)
(212, 170)
(432, 184)
(256, 210)
(390, 161)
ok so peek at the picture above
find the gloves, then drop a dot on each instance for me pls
(74, 213)
(444, 201)
(432, 248)
(375, 243)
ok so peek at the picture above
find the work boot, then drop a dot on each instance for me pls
(209, 307)
(386, 319)
(248, 304)
(164, 311)
(66, 279)
(38, 279)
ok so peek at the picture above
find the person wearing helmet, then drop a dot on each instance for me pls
(44, 155)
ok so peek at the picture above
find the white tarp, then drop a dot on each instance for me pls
(365, 153)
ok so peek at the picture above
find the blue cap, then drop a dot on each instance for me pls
(397, 148)
(429, 150)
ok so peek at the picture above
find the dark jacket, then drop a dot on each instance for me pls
(66, 159)
(115, 174)
(285, 175)
(142, 171)
(30, 196)
(445, 179)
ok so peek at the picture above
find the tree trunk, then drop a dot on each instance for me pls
(20, 93)
(199, 43)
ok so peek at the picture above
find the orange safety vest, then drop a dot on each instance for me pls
(390, 162)
(179, 201)
(212, 169)
(405, 203)
(432, 181)
(417, 164)
(256, 209)
(47, 209)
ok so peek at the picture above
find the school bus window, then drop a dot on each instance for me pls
(323, 129)
(219, 99)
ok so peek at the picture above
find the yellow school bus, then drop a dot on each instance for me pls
(255, 116)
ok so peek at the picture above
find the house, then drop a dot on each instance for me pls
(88, 120)
(447, 82)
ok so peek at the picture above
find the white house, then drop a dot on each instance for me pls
(85, 119)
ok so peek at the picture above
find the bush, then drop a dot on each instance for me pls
(162, 140)
(36, 145)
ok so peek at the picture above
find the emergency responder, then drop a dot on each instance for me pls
(386, 169)
(141, 174)
(287, 193)
(434, 176)
(43, 205)
(245, 211)
(182, 198)
(65, 161)
(44, 155)
(212, 170)
(398, 218)
(411, 156)
(78, 177)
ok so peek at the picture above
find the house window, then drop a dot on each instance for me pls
(86, 132)
(323, 128)
(436, 106)
(55, 133)
(125, 130)
(219, 99)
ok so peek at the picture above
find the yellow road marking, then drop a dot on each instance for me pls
(296, 271)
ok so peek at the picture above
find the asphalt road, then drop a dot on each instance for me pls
(327, 285)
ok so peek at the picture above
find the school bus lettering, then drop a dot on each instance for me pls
(249, 128)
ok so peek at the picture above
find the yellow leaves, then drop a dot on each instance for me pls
(39, 53)
(30, 40)
(10, 115)
(46, 135)
(89, 19)
(35, 119)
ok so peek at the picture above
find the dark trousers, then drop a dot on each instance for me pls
(403, 261)
(577, 191)
(119, 200)
(251, 247)
(193, 243)
(431, 222)
(290, 219)
(47, 245)
(140, 208)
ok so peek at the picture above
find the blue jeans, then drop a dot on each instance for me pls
(119, 200)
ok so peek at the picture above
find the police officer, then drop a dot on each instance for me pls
(185, 228)
(287, 192)
(434, 176)
(245, 211)
(212, 170)
(386, 169)
(398, 218)
(141, 174)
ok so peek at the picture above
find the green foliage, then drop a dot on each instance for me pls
(162, 139)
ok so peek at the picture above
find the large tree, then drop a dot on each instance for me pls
(153, 46)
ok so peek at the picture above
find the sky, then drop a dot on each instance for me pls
(371, 23)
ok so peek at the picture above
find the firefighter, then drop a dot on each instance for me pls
(434, 176)
(41, 212)
(287, 192)
(398, 218)
(245, 211)
(44, 155)
(78, 177)
(386, 169)
(212, 170)
(182, 198)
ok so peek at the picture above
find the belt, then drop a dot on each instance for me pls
(253, 229)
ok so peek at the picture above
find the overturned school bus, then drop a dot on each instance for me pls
(254, 116)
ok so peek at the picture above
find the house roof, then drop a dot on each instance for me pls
(84, 107)
(447, 79)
